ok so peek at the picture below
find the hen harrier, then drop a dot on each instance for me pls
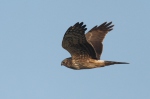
(86, 49)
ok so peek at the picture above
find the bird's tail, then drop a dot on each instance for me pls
(114, 62)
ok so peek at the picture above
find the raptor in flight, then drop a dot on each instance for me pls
(86, 49)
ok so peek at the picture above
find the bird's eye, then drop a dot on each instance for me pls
(64, 62)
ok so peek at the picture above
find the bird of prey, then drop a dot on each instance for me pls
(86, 49)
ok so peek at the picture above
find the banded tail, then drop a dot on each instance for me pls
(114, 62)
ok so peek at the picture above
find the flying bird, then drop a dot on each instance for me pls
(86, 49)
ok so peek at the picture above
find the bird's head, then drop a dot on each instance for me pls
(66, 62)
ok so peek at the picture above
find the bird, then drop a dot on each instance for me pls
(86, 49)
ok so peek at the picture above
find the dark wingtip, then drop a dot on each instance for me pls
(104, 23)
(81, 23)
(79, 26)
(106, 26)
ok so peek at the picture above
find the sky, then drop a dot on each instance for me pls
(31, 33)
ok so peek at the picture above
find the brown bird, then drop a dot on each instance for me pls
(86, 49)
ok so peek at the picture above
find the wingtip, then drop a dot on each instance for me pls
(76, 24)
(104, 23)
(84, 26)
(81, 23)
(108, 24)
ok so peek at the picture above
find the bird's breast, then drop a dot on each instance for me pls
(87, 64)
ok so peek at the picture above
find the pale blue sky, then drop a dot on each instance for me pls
(31, 33)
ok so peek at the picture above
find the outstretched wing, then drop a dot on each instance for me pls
(96, 35)
(75, 42)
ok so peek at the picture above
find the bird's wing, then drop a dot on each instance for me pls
(96, 35)
(75, 42)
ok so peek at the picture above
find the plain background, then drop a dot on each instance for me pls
(31, 33)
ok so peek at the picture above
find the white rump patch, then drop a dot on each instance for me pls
(101, 61)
